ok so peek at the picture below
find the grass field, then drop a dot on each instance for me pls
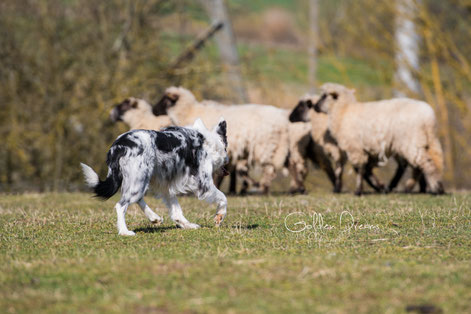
(61, 253)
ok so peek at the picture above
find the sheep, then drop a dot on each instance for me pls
(137, 114)
(295, 165)
(381, 129)
(299, 142)
(322, 147)
(257, 134)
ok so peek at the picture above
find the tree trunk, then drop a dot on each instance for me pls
(313, 41)
(407, 48)
(226, 43)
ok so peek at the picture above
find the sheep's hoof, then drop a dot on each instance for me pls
(358, 193)
(294, 191)
(383, 189)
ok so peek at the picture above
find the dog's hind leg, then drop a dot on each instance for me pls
(134, 187)
(150, 214)
(176, 214)
(121, 208)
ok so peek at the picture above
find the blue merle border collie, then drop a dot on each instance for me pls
(180, 159)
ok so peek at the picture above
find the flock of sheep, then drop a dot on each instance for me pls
(329, 129)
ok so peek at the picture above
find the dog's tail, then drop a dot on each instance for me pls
(107, 188)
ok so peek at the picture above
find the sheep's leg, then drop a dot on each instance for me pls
(243, 172)
(232, 182)
(401, 168)
(218, 179)
(298, 173)
(360, 170)
(422, 183)
(373, 180)
(326, 166)
(412, 181)
(246, 183)
(338, 177)
(268, 175)
(319, 158)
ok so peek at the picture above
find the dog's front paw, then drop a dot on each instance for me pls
(127, 233)
(218, 219)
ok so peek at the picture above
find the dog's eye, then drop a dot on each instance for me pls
(334, 95)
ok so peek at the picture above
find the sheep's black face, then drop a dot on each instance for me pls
(167, 101)
(301, 112)
(120, 109)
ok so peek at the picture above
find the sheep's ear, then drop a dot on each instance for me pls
(199, 125)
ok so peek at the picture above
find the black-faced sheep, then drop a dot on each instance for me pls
(381, 129)
(137, 114)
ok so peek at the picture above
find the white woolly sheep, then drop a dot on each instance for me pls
(257, 134)
(137, 114)
(322, 147)
(375, 131)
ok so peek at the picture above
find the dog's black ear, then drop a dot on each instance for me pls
(167, 101)
(221, 129)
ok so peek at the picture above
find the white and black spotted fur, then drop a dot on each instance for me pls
(179, 159)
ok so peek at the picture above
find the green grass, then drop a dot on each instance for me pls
(60, 253)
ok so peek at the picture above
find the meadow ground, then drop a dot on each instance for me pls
(61, 253)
